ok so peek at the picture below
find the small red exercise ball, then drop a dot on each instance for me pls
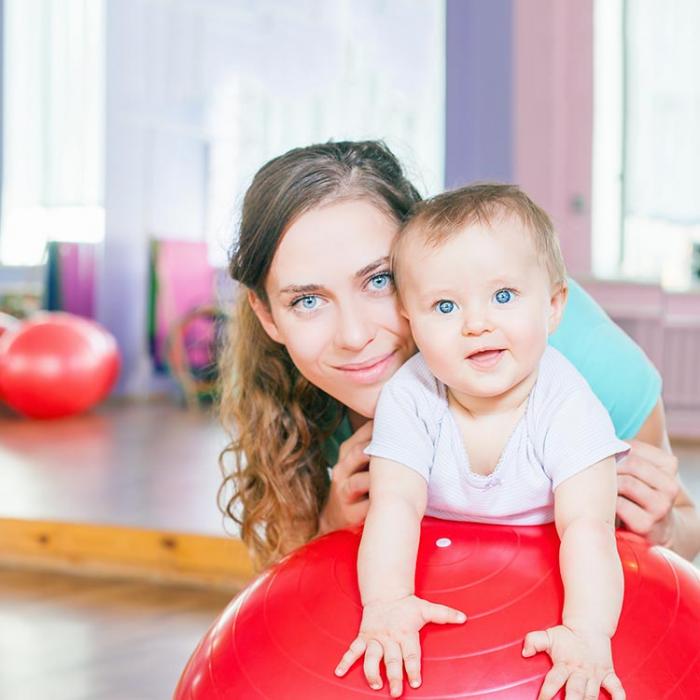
(284, 634)
(7, 323)
(56, 364)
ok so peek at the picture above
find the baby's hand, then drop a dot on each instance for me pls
(389, 630)
(582, 662)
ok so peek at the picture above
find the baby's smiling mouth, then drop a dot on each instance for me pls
(487, 357)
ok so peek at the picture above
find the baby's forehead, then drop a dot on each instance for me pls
(506, 226)
(515, 256)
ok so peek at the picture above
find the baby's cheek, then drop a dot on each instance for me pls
(424, 335)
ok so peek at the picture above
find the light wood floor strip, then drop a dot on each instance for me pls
(126, 552)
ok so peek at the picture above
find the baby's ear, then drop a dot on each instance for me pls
(557, 303)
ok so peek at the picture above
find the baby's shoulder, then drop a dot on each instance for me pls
(558, 380)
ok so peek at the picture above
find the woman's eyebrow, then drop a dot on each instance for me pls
(301, 289)
(379, 262)
(314, 288)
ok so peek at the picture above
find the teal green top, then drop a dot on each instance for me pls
(616, 368)
(331, 447)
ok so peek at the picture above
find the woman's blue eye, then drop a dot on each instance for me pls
(307, 303)
(445, 306)
(503, 296)
(379, 282)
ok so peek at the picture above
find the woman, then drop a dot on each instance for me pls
(317, 331)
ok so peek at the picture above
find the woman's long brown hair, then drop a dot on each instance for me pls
(275, 486)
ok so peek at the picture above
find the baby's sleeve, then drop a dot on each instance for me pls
(400, 432)
(579, 434)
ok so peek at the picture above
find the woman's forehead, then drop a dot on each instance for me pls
(332, 242)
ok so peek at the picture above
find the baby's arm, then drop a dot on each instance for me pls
(584, 507)
(392, 615)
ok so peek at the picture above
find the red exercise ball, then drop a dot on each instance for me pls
(284, 634)
(57, 364)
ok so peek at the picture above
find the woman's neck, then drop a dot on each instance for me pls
(356, 420)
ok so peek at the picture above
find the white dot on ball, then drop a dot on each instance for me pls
(443, 542)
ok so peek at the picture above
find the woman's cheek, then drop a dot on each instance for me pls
(307, 350)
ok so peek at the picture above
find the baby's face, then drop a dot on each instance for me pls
(481, 306)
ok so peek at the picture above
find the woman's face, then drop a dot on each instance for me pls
(332, 302)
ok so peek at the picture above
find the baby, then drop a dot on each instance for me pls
(488, 423)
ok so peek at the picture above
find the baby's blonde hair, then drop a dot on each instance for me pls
(437, 219)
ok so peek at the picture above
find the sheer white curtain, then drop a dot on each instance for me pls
(646, 209)
(661, 188)
(663, 110)
(53, 114)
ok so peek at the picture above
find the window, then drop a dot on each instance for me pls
(53, 78)
(646, 161)
(378, 72)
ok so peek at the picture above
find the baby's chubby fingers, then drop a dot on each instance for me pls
(592, 691)
(577, 686)
(536, 642)
(553, 682)
(354, 652)
(613, 685)
(373, 657)
(442, 614)
(410, 648)
(393, 662)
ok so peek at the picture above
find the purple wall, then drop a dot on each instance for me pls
(479, 91)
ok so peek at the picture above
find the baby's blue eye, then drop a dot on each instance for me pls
(503, 296)
(379, 282)
(308, 303)
(445, 306)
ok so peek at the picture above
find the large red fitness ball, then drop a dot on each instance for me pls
(56, 364)
(282, 637)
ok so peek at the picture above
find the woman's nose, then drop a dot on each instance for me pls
(355, 329)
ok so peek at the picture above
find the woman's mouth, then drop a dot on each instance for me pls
(485, 359)
(370, 371)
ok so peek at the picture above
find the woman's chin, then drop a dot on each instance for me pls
(363, 406)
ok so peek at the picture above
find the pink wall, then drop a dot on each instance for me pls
(553, 116)
(667, 326)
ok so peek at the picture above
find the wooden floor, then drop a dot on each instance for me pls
(67, 638)
(141, 464)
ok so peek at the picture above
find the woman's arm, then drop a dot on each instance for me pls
(651, 499)
(347, 502)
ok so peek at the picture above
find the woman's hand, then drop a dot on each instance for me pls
(648, 487)
(348, 498)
